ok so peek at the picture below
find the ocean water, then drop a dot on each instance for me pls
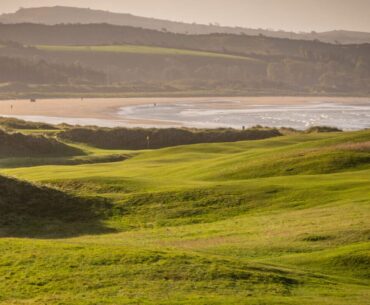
(233, 114)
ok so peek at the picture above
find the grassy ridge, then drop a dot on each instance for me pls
(13, 123)
(31, 210)
(144, 138)
(20, 145)
(222, 223)
(138, 49)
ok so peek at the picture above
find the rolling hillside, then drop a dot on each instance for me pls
(29, 70)
(67, 15)
(121, 61)
(20, 145)
(274, 221)
(31, 210)
(123, 55)
(107, 34)
(144, 138)
(138, 49)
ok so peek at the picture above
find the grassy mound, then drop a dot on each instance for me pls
(12, 123)
(28, 209)
(349, 260)
(19, 145)
(220, 223)
(202, 183)
(124, 138)
(169, 276)
(322, 129)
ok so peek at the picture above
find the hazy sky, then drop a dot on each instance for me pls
(296, 15)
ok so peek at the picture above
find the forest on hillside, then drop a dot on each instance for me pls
(101, 58)
(43, 72)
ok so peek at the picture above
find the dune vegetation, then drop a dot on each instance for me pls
(21, 145)
(144, 138)
(283, 220)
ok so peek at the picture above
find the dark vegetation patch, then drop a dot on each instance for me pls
(69, 160)
(319, 129)
(139, 138)
(12, 123)
(27, 70)
(30, 210)
(317, 238)
(19, 145)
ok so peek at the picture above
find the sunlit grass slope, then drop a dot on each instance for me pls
(139, 49)
(276, 221)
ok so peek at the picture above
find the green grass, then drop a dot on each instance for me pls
(276, 221)
(138, 49)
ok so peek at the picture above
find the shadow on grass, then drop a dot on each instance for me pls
(39, 161)
(28, 210)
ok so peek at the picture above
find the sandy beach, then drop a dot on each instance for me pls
(107, 109)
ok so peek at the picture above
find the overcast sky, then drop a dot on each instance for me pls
(296, 15)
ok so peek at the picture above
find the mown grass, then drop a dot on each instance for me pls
(139, 49)
(207, 224)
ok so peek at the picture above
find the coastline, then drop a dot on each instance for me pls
(108, 109)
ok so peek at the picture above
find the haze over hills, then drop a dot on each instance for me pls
(125, 59)
(77, 53)
(61, 14)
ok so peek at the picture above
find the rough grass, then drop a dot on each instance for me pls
(31, 210)
(207, 224)
(13, 123)
(138, 49)
(21, 145)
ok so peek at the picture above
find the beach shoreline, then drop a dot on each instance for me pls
(109, 109)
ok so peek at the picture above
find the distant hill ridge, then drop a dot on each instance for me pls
(60, 14)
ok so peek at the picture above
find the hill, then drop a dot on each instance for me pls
(31, 210)
(32, 71)
(276, 221)
(72, 15)
(126, 60)
(107, 34)
(135, 139)
(17, 124)
(20, 145)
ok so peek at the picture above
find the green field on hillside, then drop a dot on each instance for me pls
(276, 221)
(138, 49)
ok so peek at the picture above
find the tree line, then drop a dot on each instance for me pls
(43, 72)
